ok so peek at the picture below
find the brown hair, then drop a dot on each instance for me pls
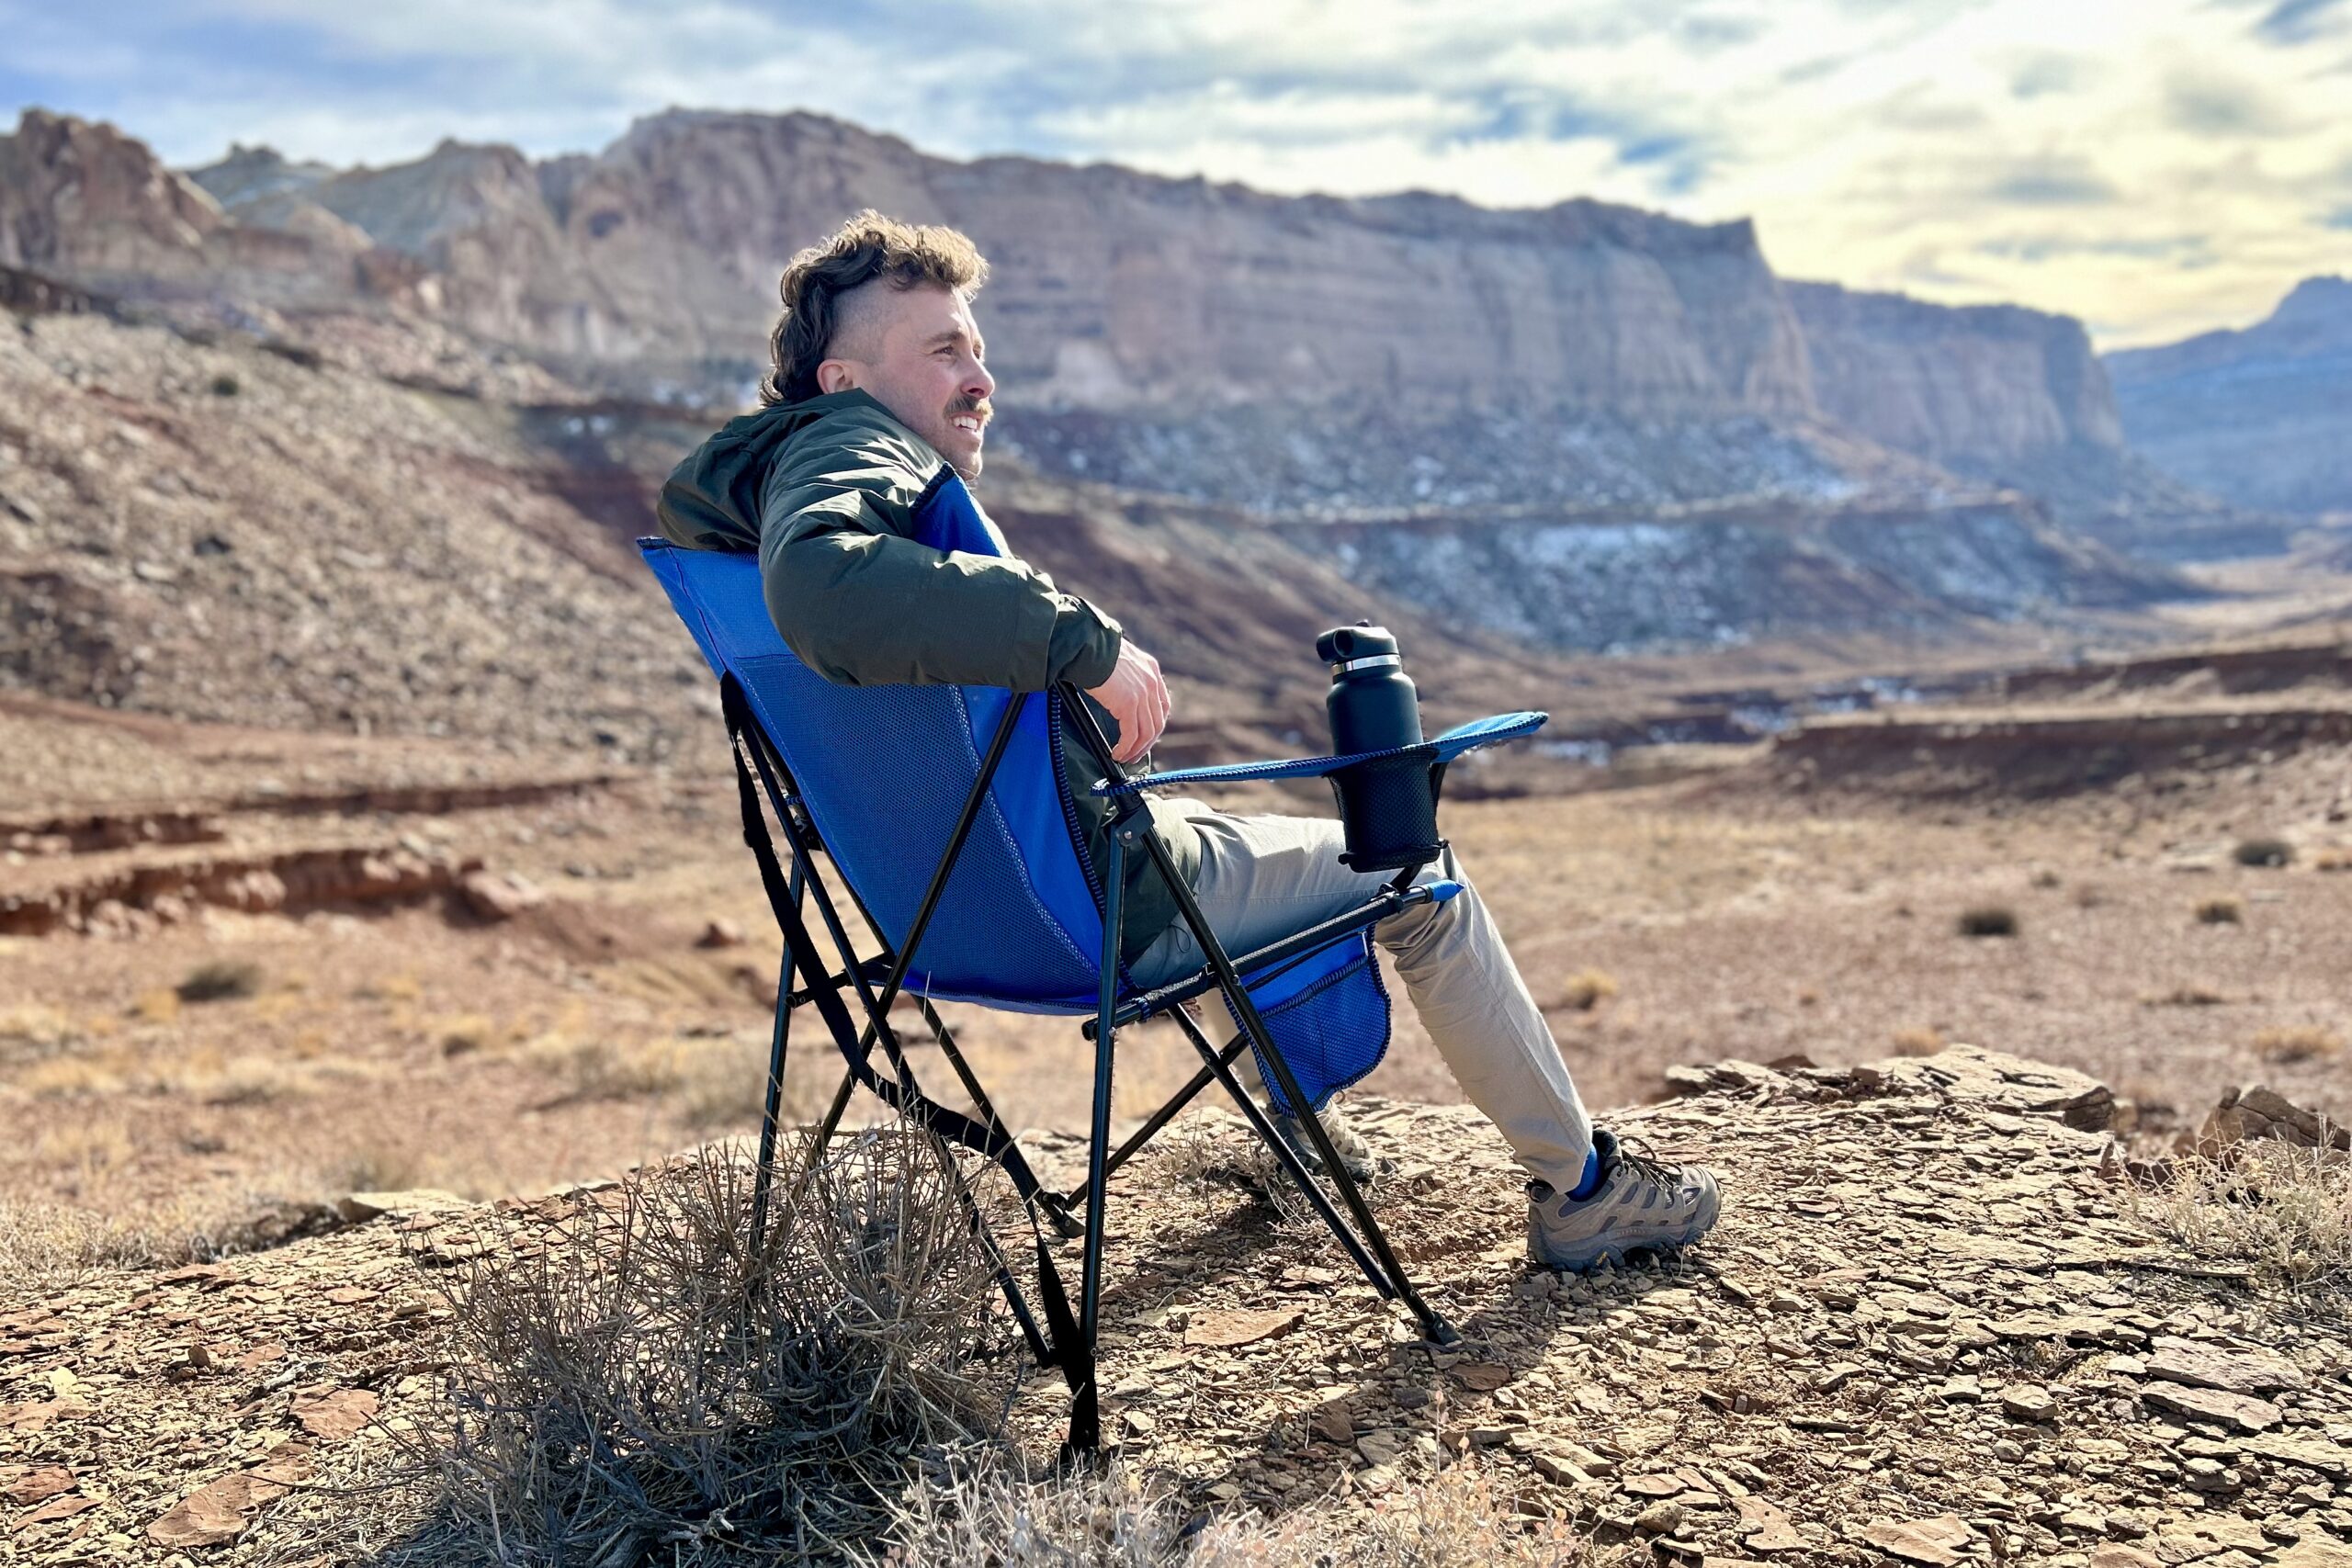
(869, 246)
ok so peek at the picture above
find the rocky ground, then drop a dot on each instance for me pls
(1930, 1330)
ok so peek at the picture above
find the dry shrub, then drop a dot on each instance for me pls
(466, 1034)
(2335, 858)
(46, 1247)
(86, 1148)
(1918, 1041)
(157, 1006)
(391, 989)
(988, 1516)
(599, 1069)
(1587, 989)
(251, 1080)
(661, 1384)
(2297, 1042)
(2284, 1209)
(2190, 996)
(69, 1078)
(2263, 852)
(1988, 919)
(2228, 909)
(218, 979)
(37, 1026)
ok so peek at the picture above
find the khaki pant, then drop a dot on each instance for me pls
(1263, 878)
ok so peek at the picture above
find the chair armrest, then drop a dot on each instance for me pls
(1444, 748)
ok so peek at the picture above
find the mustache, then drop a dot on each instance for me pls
(982, 406)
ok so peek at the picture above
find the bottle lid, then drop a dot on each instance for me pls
(1346, 646)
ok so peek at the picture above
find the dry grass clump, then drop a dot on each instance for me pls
(2228, 909)
(1587, 989)
(46, 1247)
(602, 1069)
(218, 979)
(1924, 1042)
(2285, 1211)
(159, 1005)
(2297, 1042)
(2263, 851)
(662, 1384)
(71, 1077)
(2334, 858)
(989, 1517)
(40, 1027)
(466, 1034)
(1988, 919)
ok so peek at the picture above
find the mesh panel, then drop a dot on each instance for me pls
(1389, 811)
(886, 807)
(1331, 1033)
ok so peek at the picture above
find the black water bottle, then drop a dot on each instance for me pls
(1373, 705)
(1388, 806)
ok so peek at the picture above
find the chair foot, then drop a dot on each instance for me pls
(1066, 1224)
(1437, 1331)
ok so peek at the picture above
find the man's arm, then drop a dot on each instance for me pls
(863, 604)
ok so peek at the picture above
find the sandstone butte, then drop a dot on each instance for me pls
(1927, 1332)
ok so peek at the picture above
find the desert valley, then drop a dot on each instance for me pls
(1945, 813)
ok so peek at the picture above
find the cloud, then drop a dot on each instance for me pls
(2300, 21)
(2055, 154)
(2054, 182)
(2041, 74)
(2212, 105)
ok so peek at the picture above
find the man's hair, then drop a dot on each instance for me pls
(866, 248)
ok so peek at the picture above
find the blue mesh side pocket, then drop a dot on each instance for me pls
(1328, 1018)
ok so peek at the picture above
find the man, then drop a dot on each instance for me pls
(880, 384)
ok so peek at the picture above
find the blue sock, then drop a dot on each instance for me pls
(1591, 1182)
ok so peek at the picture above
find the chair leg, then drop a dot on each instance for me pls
(1287, 1157)
(1085, 1413)
(1238, 997)
(772, 1107)
(1164, 1116)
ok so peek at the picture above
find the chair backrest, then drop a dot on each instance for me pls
(885, 769)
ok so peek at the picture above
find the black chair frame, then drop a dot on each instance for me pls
(1067, 1341)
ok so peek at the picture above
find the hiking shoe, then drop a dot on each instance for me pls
(1355, 1155)
(1640, 1205)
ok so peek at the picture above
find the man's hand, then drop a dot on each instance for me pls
(1137, 698)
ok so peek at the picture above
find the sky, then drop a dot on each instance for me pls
(2155, 167)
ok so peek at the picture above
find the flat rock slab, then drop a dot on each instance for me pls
(2242, 1411)
(2231, 1369)
(2307, 1453)
(1935, 1541)
(1240, 1325)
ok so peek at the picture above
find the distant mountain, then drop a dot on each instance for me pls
(2261, 416)
(2014, 398)
(1515, 391)
(1146, 329)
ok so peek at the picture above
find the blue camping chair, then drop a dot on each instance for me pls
(943, 812)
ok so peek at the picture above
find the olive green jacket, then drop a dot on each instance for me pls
(825, 489)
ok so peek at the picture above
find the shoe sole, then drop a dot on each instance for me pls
(1617, 1255)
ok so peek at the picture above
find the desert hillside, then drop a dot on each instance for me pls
(1937, 1326)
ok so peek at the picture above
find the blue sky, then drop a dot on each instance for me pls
(2155, 167)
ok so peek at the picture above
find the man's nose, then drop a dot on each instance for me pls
(979, 383)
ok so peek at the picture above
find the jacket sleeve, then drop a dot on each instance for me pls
(863, 604)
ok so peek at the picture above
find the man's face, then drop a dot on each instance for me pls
(919, 353)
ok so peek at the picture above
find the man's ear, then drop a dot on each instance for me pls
(835, 376)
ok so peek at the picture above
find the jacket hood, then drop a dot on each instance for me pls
(711, 500)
